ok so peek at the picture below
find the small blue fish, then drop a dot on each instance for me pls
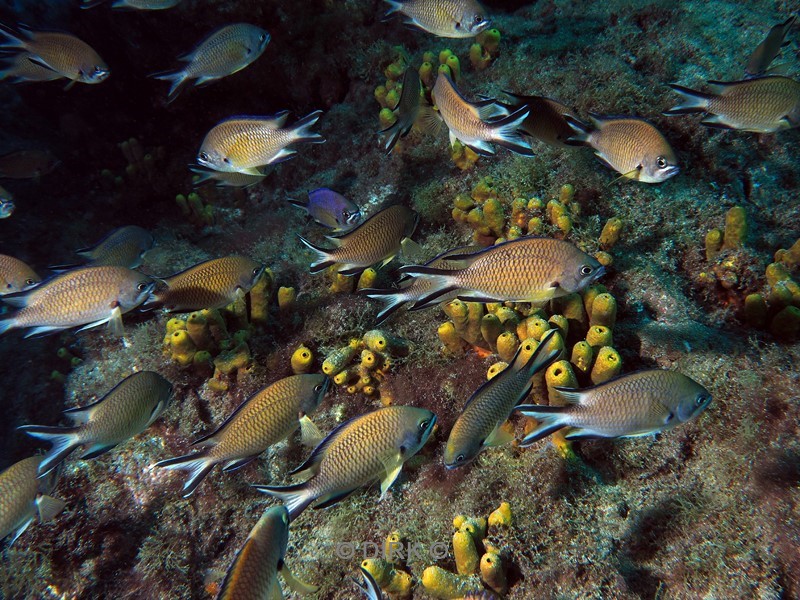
(330, 209)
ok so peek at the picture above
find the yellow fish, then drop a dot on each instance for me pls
(470, 122)
(226, 51)
(20, 498)
(15, 276)
(372, 446)
(243, 144)
(128, 409)
(631, 146)
(528, 269)
(376, 240)
(254, 572)
(641, 403)
(210, 284)
(762, 104)
(62, 53)
(85, 298)
(443, 18)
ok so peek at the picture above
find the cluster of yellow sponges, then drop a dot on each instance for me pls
(345, 284)
(143, 167)
(777, 306)
(479, 564)
(214, 342)
(495, 219)
(198, 211)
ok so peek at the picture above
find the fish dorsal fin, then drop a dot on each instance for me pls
(296, 585)
(277, 120)
(311, 465)
(718, 87)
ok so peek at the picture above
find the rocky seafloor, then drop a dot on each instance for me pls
(707, 510)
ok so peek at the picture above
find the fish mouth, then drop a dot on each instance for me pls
(485, 24)
(670, 172)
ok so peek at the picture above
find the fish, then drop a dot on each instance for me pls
(761, 104)
(371, 446)
(7, 205)
(27, 164)
(369, 587)
(133, 4)
(527, 269)
(479, 425)
(264, 419)
(376, 240)
(545, 120)
(23, 67)
(408, 109)
(224, 52)
(211, 284)
(16, 276)
(85, 298)
(254, 572)
(631, 146)
(62, 53)
(21, 500)
(443, 18)
(637, 404)
(122, 247)
(414, 288)
(127, 410)
(479, 125)
(769, 49)
(243, 144)
(224, 179)
(330, 209)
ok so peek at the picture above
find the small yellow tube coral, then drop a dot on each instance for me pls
(287, 296)
(507, 344)
(339, 359)
(382, 341)
(735, 228)
(493, 572)
(182, 348)
(786, 324)
(501, 517)
(302, 360)
(495, 369)
(610, 234)
(582, 355)
(755, 310)
(604, 311)
(367, 279)
(559, 374)
(491, 328)
(448, 586)
(607, 366)
(465, 553)
(197, 328)
(713, 244)
(450, 338)
(599, 336)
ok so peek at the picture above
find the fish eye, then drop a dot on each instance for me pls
(661, 162)
(256, 271)
(142, 286)
(262, 37)
(424, 425)
(478, 19)
(586, 270)
(29, 282)
(318, 387)
(460, 458)
(346, 214)
(203, 156)
(701, 399)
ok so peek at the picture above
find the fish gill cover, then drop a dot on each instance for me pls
(700, 274)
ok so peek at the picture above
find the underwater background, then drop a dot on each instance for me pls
(708, 510)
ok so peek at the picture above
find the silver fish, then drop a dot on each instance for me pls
(128, 409)
(637, 404)
(122, 247)
(21, 500)
(224, 178)
(443, 18)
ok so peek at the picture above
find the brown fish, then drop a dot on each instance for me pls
(85, 298)
(469, 122)
(122, 247)
(63, 53)
(637, 404)
(264, 419)
(254, 573)
(762, 104)
(245, 144)
(546, 120)
(443, 18)
(528, 269)
(15, 276)
(21, 500)
(631, 146)
(27, 164)
(769, 49)
(376, 240)
(212, 284)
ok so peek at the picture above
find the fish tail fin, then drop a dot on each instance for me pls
(301, 131)
(6, 324)
(550, 419)
(443, 282)
(394, 7)
(63, 439)
(323, 257)
(295, 497)
(198, 464)
(581, 131)
(177, 79)
(394, 132)
(506, 132)
(10, 38)
(692, 101)
(393, 298)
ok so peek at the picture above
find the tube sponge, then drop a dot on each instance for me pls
(301, 360)
(607, 366)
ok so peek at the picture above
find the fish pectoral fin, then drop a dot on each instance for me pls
(411, 250)
(310, 435)
(295, 584)
(275, 591)
(37, 60)
(96, 450)
(632, 174)
(570, 395)
(70, 84)
(429, 121)
(251, 171)
(499, 437)
(157, 410)
(393, 463)
(453, 138)
(48, 507)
